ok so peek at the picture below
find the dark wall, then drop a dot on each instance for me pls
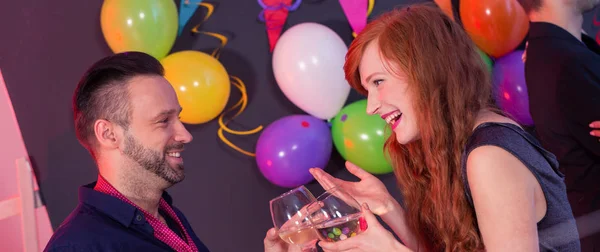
(45, 46)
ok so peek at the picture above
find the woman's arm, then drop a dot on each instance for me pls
(395, 218)
(503, 192)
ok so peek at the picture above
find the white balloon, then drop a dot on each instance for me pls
(308, 62)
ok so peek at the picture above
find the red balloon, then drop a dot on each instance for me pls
(496, 26)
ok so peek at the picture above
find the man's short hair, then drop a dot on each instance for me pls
(531, 5)
(102, 92)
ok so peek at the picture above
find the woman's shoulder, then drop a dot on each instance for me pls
(491, 128)
(487, 117)
(496, 138)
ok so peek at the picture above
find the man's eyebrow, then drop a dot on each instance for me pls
(166, 113)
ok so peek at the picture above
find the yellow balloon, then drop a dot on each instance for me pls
(201, 83)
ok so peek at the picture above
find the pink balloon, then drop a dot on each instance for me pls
(308, 63)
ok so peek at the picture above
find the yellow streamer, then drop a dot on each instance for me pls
(241, 104)
(217, 52)
(210, 9)
(369, 10)
(235, 81)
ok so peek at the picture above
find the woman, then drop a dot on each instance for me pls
(472, 179)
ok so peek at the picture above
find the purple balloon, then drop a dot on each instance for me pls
(510, 89)
(290, 146)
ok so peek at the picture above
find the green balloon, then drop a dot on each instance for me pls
(148, 26)
(360, 137)
(486, 59)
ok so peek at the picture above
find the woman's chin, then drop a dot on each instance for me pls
(404, 138)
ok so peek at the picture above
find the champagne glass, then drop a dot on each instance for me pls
(289, 217)
(336, 216)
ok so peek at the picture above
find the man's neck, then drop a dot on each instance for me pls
(143, 193)
(566, 17)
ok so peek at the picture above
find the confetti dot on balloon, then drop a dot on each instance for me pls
(305, 124)
(344, 117)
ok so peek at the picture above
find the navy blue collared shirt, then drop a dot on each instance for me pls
(101, 222)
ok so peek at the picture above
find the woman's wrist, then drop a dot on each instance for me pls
(392, 208)
(397, 246)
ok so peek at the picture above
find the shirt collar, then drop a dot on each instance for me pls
(115, 208)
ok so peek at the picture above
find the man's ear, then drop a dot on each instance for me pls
(107, 134)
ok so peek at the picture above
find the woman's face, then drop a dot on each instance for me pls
(388, 94)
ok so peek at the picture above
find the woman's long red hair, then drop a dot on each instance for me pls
(450, 85)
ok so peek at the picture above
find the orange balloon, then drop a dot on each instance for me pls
(496, 26)
(446, 6)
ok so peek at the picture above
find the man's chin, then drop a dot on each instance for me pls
(170, 180)
(177, 175)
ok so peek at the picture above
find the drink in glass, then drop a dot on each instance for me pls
(289, 215)
(336, 216)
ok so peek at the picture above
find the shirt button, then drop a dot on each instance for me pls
(138, 217)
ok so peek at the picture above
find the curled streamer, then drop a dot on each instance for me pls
(241, 104)
(235, 81)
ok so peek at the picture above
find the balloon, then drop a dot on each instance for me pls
(201, 83)
(496, 26)
(290, 146)
(510, 89)
(486, 59)
(139, 25)
(446, 6)
(308, 65)
(360, 137)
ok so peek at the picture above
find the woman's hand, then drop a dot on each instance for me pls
(375, 238)
(596, 129)
(369, 189)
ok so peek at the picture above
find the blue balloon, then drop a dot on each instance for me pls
(290, 146)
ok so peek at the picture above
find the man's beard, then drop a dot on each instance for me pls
(154, 161)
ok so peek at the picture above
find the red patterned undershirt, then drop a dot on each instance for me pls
(161, 230)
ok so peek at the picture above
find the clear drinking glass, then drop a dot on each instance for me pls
(336, 216)
(288, 212)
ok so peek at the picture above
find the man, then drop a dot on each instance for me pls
(562, 72)
(126, 115)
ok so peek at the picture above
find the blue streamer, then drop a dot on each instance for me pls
(186, 11)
